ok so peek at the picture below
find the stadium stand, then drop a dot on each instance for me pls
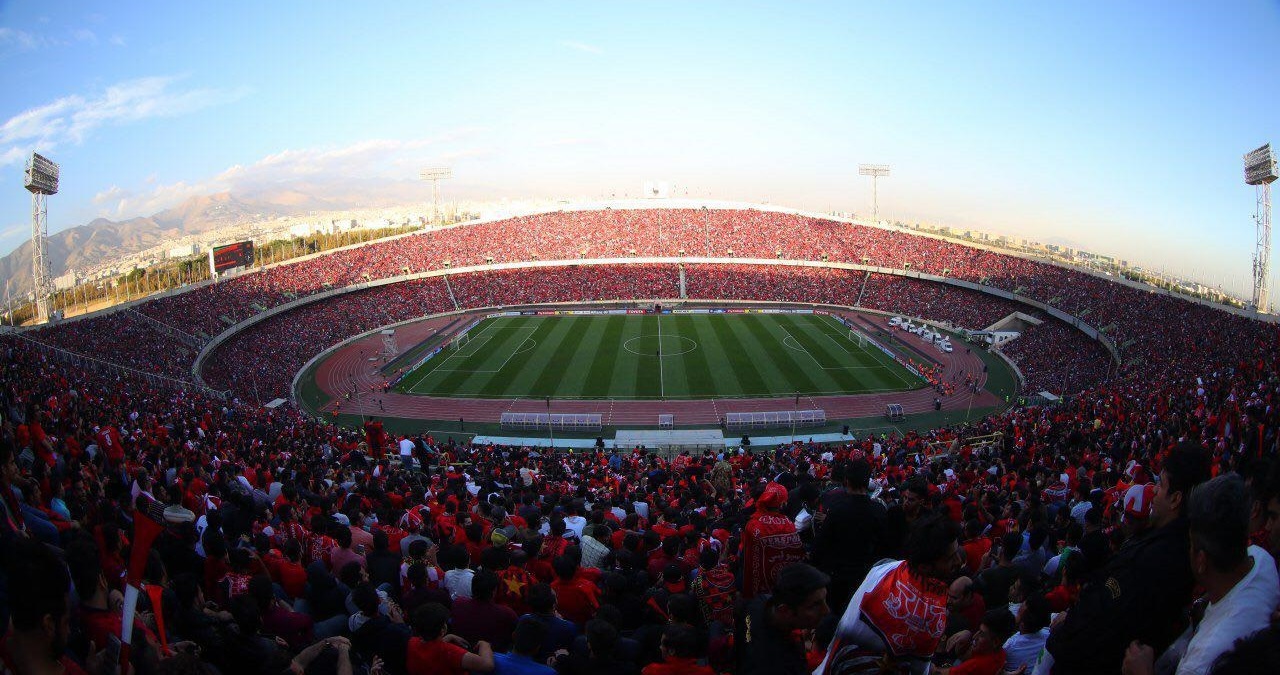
(307, 547)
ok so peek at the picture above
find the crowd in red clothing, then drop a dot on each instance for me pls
(1144, 337)
(313, 550)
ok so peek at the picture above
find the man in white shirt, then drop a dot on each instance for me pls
(1024, 647)
(573, 522)
(1240, 582)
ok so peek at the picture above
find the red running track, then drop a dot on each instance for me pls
(355, 367)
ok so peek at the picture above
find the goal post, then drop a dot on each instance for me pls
(458, 340)
(858, 338)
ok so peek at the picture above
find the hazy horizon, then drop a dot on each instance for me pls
(1115, 128)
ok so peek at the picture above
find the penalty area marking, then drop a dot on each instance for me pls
(791, 343)
(627, 345)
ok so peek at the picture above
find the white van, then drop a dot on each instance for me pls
(895, 322)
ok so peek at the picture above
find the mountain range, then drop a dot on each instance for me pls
(102, 240)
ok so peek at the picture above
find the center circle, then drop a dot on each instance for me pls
(671, 345)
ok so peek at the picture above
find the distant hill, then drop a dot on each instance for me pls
(102, 240)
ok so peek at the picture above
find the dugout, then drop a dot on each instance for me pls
(893, 412)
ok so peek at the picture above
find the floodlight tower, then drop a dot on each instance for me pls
(875, 171)
(435, 176)
(1260, 172)
(41, 180)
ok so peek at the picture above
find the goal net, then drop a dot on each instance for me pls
(857, 338)
(458, 340)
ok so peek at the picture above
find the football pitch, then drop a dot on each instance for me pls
(671, 356)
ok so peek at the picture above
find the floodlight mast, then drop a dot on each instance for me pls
(1260, 172)
(41, 180)
(436, 175)
(875, 171)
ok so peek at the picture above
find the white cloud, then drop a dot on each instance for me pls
(24, 41)
(20, 39)
(387, 159)
(14, 230)
(582, 47)
(84, 35)
(117, 40)
(74, 118)
(113, 193)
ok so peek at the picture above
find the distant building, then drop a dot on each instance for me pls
(64, 282)
(182, 251)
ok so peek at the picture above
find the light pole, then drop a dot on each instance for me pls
(876, 171)
(435, 175)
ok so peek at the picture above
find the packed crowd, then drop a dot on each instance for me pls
(1056, 357)
(123, 338)
(1132, 528)
(1168, 333)
(669, 232)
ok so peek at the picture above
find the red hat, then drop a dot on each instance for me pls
(774, 496)
(1137, 501)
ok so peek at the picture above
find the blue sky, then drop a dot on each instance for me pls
(1116, 126)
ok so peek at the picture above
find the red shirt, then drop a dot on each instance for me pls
(676, 666)
(293, 579)
(990, 663)
(974, 549)
(69, 666)
(436, 657)
(576, 599)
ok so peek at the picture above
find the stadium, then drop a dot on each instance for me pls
(801, 304)
(703, 327)
(263, 414)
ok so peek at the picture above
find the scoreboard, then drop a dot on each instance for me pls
(223, 258)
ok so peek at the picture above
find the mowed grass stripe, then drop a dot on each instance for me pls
(472, 374)
(575, 382)
(764, 354)
(798, 372)
(518, 374)
(722, 375)
(443, 370)
(845, 371)
(416, 382)
(649, 381)
(625, 369)
(741, 362)
(698, 377)
(599, 372)
(890, 375)
(561, 344)
(675, 363)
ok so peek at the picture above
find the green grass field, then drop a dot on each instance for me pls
(702, 356)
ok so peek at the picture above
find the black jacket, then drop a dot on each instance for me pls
(763, 649)
(852, 536)
(1141, 595)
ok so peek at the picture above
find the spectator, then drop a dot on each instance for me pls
(765, 636)
(869, 632)
(478, 618)
(432, 649)
(1143, 587)
(526, 642)
(1242, 589)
